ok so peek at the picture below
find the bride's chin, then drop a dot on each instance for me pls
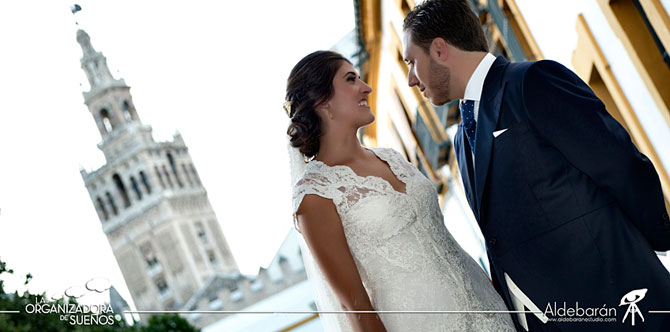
(369, 121)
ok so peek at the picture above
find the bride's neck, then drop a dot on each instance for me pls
(339, 149)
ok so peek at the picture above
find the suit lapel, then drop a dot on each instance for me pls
(489, 110)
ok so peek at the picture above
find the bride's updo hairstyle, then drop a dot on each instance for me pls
(309, 85)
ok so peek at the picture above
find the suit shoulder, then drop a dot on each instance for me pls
(516, 69)
(545, 74)
(548, 64)
(525, 68)
(547, 68)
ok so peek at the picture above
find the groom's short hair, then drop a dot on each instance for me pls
(452, 20)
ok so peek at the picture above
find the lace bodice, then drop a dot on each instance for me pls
(405, 255)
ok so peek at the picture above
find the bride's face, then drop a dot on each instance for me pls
(349, 104)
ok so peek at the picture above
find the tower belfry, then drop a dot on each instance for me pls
(110, 102)
(150, 201)
(95, 65)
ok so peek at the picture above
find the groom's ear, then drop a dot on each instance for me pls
(439, 49)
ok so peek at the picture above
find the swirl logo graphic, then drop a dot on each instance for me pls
(98, 284)
(75, 291)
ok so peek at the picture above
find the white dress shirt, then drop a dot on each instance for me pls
(473, 91)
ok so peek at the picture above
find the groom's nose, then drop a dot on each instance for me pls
(412, 80)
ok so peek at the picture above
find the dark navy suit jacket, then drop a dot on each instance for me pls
(568, 206)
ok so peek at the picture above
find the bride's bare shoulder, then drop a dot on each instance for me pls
(314, 204)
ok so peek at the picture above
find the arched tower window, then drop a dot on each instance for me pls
(200, 231)
(122, 190)
(149, 255)
(127, 111)
(211, 257)
(160, 176)
(102, 209)
(106, 120)
(195, 175)
(188, 176)
(173, 166)
(162, 286)
(136, 188)
(112, 205)
(167, 176)
(145, 182)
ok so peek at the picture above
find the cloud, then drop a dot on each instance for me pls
(75, 291)
(98, 284)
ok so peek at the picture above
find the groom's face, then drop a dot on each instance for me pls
(425, 73)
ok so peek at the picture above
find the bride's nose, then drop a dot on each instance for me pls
(366, 89)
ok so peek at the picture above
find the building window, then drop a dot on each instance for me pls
(122, 190)
(161, 285)
(106, 121)
(235, 293)
(160, 176)
(652, 32)
(101, 208)
(112, 205)
(136, 188)
(167, 176)
(257, 285)
(195, 175)
(127, 114)
(211, 256)
(200, 230)
(499, 48)
(173, 166)
(145, 182)
(149, 255)
(638, 36)
(188, 176)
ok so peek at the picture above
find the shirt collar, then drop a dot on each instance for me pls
(473, 91)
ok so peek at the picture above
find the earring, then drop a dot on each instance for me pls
(330, 114)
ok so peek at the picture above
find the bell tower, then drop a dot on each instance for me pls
(110, 102)
(150, 201)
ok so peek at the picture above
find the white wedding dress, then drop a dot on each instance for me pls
(407, 259)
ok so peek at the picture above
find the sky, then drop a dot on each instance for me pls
(213, 70)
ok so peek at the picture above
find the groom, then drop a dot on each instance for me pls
(570, 210)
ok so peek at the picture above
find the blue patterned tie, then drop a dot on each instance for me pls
(467, 108)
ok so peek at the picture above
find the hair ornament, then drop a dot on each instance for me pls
(287, 108)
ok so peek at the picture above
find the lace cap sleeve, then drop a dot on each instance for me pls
(315, 183)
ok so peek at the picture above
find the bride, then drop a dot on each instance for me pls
(371, 220)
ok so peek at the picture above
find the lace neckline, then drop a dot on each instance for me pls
(396, 172)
